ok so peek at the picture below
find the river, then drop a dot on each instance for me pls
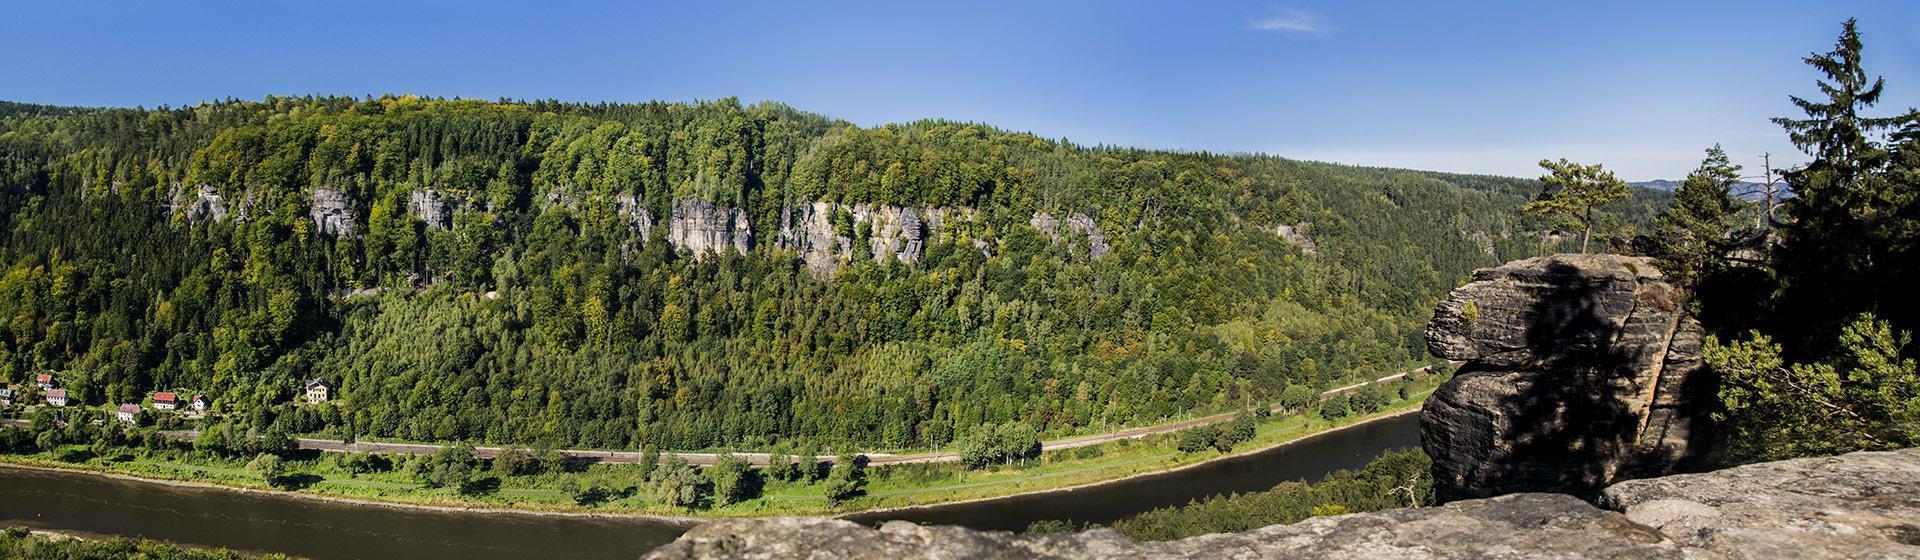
(323, 530)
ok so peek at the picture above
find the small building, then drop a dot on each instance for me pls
(129, 413)
(165, 401)
(44, 380)
(199, 404)
(318, 390)
(6, 396)
(56, 397)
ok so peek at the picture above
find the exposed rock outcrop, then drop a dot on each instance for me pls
(332, 212)
(1861, 505)
(204, 202)
(431, 206)
(702, 227)
(1080, 224)
(1294, 235)
(634, 212)
(1858, 505)
(1580, 370)
(811, 230)
(1481, 240)
(1525, 525)
(198, 203)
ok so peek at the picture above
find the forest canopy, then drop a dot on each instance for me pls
(502, 271)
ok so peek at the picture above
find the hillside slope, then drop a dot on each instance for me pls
(703, 275)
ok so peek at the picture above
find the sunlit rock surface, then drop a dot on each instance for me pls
(1861, 505)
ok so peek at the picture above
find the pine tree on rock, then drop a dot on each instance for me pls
(1574, 192)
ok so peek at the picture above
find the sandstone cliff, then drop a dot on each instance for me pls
(634, 212)
(1295, 235)
(702, 227)
(1080, 225)
(433, 207)
(814, 233)
(1580, 370)
(1860, 505)
(332, 212)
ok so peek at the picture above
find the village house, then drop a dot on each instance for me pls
(318, 391)
(199, 404)
(165, 401)
(44, 380)
(129, 413)
(57, 397)
(6, 396)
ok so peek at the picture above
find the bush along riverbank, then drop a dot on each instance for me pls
(21, 542)
(1395, 479)
(994, 463)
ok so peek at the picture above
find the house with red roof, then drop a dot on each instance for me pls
(165, 401)
(44, 380)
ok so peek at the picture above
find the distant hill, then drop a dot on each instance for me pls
(1746, 190)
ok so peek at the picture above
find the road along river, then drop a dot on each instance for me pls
(95, 505)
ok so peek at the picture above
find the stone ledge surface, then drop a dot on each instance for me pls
(1859, 505)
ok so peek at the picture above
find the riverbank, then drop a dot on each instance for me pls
(890, 488)
(1237, 454)
(26, 542)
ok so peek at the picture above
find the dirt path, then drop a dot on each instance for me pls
(760, 459)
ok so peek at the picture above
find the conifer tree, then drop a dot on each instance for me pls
(1842, 226)
(1574, 192)
(1692, 237)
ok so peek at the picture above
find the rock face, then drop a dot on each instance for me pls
(634, 212)
(1580, 370)
(1080, 224)
(332, 212)
(1860, 505)
(197, 203)
(1293, 234)
(703, 227)
(432, 207)
(899, 232)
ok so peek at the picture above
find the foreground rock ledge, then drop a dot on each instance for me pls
(1860, 505)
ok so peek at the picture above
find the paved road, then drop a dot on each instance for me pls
(760, 459)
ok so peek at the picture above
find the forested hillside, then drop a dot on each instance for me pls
(703, 275)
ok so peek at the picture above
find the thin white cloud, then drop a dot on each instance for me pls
(1293, 21)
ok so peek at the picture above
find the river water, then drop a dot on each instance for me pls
(323, 530)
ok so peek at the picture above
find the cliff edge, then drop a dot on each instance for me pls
(1859, 505)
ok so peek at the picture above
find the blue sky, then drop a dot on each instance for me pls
(1487, 87)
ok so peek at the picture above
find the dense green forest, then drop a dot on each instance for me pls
(238, 248)
(1395, 479)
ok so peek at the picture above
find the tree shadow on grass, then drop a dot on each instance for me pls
(481, 486)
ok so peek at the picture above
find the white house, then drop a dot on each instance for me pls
(57, 397)
(129, 413)
(318, 391)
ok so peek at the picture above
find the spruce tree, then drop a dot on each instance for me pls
(1842, 229)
